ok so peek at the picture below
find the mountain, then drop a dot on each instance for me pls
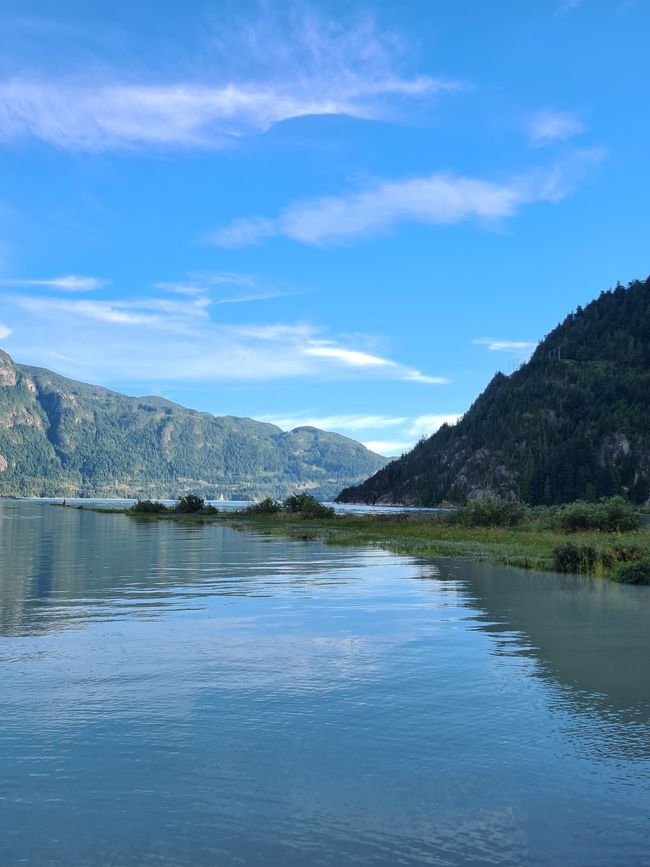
(573, 422)
(59, 437)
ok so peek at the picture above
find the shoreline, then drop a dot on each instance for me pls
(526, 546)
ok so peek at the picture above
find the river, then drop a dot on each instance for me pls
(196, 695)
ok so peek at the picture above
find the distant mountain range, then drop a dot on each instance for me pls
(573, 422)
(59, 437)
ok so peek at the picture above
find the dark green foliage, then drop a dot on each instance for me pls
(572, 423)
(147, 507)
(189, 504)
(298, 504)
(613, 515)
(575, 559)
(634, 573)
(487, 513)
(625, 553)
(267, 506)
(307, 506)
(59, 437)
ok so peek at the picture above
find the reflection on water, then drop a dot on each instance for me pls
(199, 696)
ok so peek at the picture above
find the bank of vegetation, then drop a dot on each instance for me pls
(186, 506)
(601, 538)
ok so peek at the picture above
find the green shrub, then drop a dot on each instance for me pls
(634, 573)
(268, 506)
(307, 506)
(626, 553)
(614, 515)
(147, 507)
(488, 513)
(574, 559)
(190, 504)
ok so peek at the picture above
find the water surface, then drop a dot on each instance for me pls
(194, 695)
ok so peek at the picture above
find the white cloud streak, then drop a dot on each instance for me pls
(388, 448)
(241, 288)
(520, 346)
(565, 6)
(548, 126)
(408, 429)
(438, 199)
(425, 425)
(412, 431)
(67, 283)
(4, 331)
(348, 356)
(171, 340)
(280, 69)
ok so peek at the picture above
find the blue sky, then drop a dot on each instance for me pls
(341, 214)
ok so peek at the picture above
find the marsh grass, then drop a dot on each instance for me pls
(527, 545)
(530, 539)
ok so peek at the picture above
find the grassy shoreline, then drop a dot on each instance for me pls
(527, 545)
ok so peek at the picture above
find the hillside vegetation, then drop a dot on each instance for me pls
(572, 423)
(59, 437)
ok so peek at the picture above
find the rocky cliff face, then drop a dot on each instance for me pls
(59, 437)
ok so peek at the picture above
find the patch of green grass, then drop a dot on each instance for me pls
(529, 545)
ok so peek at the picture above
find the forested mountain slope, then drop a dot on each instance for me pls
(59, 437)
(574, 422)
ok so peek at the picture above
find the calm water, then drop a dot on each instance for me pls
(198, 696)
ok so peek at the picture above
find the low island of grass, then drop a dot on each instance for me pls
(604, 538)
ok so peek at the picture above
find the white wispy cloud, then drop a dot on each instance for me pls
(283, 67)
(407, 430)
(546, 127)
(5, 331)
(412, 430)
(348, 356)
(568, 5)
(388, 448)
(67, 283)
(517, 346)
(102, 311)
(355, 358)
(438, 199)
(425, 425)
(227, 288)
(417, 376)
(163, 339)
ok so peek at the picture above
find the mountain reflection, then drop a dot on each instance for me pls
(63, 568)
(589, 636)
(60, 566)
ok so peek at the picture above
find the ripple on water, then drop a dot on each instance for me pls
(198, 696)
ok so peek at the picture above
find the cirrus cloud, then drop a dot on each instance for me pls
(437, 199)
(284, 67)
(158, 340)
(549, 126)
(406, 431)
(520, 346)
(67, 283)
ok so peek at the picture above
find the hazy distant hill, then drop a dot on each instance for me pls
(573, 422)
(60, 437)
